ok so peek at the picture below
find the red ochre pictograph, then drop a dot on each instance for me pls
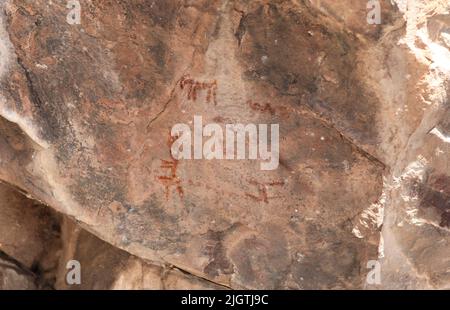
(170, 180)
(194, 88)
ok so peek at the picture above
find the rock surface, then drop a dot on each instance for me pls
(36, 246)
(12, 278)
(86, 113)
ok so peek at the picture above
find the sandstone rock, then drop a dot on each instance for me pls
(86, 113)
(36, 245)
(106, 267)
(13, 278)
(28, 231)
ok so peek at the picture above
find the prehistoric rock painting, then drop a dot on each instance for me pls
(356, 90)
(195, 89)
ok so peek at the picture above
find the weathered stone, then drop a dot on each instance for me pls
(28, 231)
(86, 113)
(12, 277)
(37, 244)
(103, 266)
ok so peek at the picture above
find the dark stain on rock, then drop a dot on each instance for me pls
(435, 193)
(331, 263)
(158, 52)
(53, 45)
(14, 143)
(151, 219)
(219, 263)
(106, 186)
(161, 13)
(240, 32)
(262, 261)
(280, 50)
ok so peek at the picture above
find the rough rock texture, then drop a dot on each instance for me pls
(86, 112)
(12, 277)
(36, 246)
(28, 231)
(106, 267)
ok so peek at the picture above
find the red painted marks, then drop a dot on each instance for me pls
(195, 87)
(222, 120)
(265, 108)
(171, 180)
(263, 195)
